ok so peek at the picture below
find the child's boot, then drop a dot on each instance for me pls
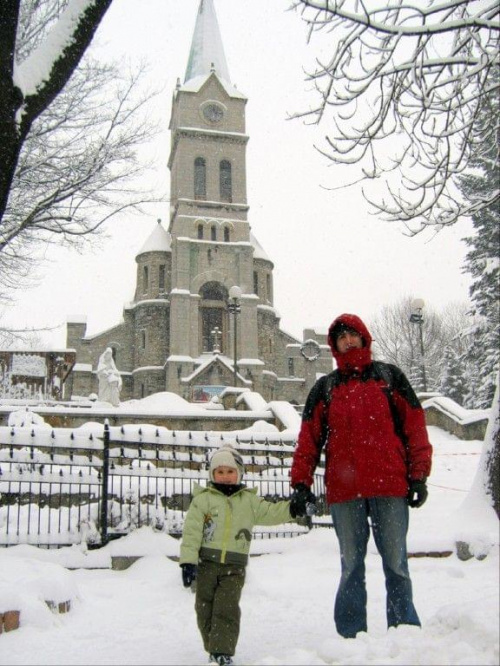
(221, 659)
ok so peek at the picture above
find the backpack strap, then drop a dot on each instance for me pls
(384, 371)
(331, 382)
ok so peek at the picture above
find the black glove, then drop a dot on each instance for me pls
(417, 493)
(189, 572)
(302, 501)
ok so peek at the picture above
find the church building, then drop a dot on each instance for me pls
(203, 315)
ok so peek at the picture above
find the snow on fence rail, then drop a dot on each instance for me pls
(60, 486)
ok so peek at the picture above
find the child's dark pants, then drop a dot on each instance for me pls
(218, 592)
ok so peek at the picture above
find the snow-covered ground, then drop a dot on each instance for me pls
(143, 615)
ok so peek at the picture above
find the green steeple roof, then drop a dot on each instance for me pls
(207, 52)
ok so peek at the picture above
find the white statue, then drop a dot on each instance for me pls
(110, 382)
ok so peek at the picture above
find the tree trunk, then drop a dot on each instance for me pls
(492, 442)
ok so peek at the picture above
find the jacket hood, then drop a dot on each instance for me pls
(354, 358)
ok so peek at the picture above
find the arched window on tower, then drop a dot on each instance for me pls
(200, 178)
(200, 232)
(213, 314)
(226, 234)
(226, 182)
(213, 232)
(269, 295)
(145, 280)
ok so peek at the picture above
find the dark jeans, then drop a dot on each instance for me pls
(218, 592)
(389, 521)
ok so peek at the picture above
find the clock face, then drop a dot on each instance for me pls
(213, 113)
(310, 350)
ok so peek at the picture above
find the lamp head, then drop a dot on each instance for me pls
(235, 292)
(417, 304)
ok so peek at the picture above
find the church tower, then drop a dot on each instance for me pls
(182, 333)
(212, 246)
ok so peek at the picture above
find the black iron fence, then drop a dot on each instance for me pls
(61, 486)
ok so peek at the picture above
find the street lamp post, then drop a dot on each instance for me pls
(234, 307)
(416, 317)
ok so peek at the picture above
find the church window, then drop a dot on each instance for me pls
(200, 178)
(143, 391)
(268, 287)
(161, 277)
(255, 283)
(213, 291)
(145, 279)
(226, 234)
(213, 232)
(143, 339)
(226, 184)
(200, 232)
(213, 315)
(291, 369)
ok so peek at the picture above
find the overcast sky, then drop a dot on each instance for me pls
(330, 255)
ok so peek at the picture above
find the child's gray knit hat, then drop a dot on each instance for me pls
(226, 456)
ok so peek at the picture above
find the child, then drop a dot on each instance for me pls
(215, 546)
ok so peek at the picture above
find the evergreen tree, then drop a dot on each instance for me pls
(482, 260)
(415, 377)
(452, 383)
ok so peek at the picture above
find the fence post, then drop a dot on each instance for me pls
(104, 492)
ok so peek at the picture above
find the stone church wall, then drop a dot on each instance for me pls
(292, 390)
(151, 333)
(153, 261)
(268, 339)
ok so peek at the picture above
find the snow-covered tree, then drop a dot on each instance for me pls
(492, 453)
(70, 128)
(476, 519)
(482, 261)
(452, 382)
(400, 85)
(27, 88)
(397, 339)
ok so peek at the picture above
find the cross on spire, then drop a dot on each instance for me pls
(216, 334)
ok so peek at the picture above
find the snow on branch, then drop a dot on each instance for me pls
(400, 88)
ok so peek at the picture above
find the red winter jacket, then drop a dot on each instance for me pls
(356, 415)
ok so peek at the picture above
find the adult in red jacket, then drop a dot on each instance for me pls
(367, 418)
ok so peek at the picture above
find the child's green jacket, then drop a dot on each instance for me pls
(219, 528)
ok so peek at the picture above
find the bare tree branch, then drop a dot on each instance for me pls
(78, 164)
(401, 92)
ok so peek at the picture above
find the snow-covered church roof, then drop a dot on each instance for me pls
(258, 250)
(158, 241)
(207, 53)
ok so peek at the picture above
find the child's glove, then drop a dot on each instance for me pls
(189, 572)
(417, 493)
(302, 502)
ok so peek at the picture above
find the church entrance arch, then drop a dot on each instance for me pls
(213, 319)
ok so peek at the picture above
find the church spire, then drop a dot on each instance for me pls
(207, 53)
